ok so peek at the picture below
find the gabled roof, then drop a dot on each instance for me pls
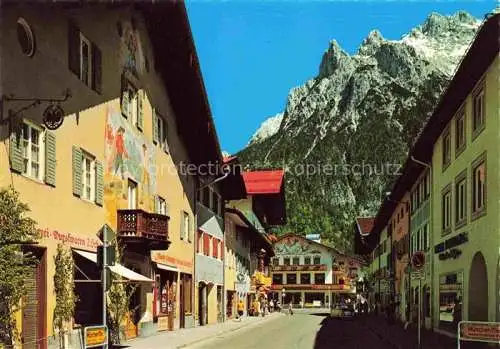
(264, 182)
(365, 224)
(481, 53)
(317, 244)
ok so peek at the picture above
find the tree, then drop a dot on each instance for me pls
(16, 229)
(64, 288)
(119, 296)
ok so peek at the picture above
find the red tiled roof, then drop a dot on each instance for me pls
(263, 182)
(365, 224)
(227, 159)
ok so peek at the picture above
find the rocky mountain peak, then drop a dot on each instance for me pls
(333, 58)
(385, 91)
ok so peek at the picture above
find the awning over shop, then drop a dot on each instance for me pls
(212, 227)
(117, 268)
(167, 267)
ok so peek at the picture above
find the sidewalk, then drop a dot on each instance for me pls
(184, 337)
(397, 337)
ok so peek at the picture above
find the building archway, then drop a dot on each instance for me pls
(478, 289)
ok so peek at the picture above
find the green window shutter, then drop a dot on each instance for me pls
(99, 183)
(96, 69)
(50, 158)
(190, 229)
(16, 152)
(74, 48)
(125, 97)
(155, 126)
(77, 171)
(140, 111)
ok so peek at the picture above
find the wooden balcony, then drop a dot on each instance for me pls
(302, 267)
(311, 287)
(147, 229)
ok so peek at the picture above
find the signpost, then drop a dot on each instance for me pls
(478, 331)
(418, 263)
(107, 235)
(96, 336)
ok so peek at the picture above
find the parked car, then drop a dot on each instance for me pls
(342, 310)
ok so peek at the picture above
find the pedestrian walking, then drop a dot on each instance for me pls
(278, 306)
(271, 306)
(290, 308)
(241, 309)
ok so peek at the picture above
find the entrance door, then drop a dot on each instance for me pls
(478, 289)
(34, 311)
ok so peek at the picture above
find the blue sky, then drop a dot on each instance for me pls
(253, 53)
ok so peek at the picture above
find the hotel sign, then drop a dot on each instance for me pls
(447, 249)
(478, 331)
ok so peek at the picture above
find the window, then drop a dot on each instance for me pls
(184, 225)
(291, 278)
(161, 206)
(446, 148)
(33, 152)
(478, 111)
(88, 177)
(425, 233)
(305, 279)
(296, 261)
(479, 186)
(132, 104)
(286, 261)
(461, 200)
(307, 260)
(25, 37)
(278, 279)
(276, 261)
(160, 130)
(460, 131)
(446, 210)
(317, 260)
(450, 296)
(319, 279)
(84, 58)
(132, 195)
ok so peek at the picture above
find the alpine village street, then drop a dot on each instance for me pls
(124, 223)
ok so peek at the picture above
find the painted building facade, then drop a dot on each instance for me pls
(309, 274)
(114, 160)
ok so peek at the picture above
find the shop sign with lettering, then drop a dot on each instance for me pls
(447, 249)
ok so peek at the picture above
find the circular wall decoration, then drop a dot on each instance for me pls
(25, 37)
(53, 117)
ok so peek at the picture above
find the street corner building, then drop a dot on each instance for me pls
(445, 205)
(250, 220)
(101, 106)
(307, 273)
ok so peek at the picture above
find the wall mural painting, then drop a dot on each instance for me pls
(131, 53)
(128, 156)
(293, 246)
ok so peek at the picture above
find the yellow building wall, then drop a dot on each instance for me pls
(46, 75)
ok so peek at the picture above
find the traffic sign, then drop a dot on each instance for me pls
(418, 260)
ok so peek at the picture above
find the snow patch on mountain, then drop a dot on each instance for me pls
(267, 129)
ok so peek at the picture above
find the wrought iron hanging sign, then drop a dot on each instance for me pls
(53, 115)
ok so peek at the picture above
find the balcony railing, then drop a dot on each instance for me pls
(325, 287)
(303, 267)
(141, 224)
